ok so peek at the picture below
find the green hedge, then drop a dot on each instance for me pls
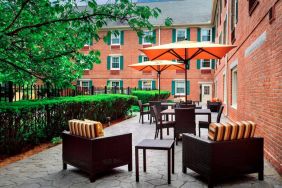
(146, 96)
(27, 123)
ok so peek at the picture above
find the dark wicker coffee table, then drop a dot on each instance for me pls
(155, 145)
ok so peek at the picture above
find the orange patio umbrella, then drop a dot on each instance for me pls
(187, 50)
(158, 66)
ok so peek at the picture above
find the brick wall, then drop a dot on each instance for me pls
(259, 74)
(130, 51)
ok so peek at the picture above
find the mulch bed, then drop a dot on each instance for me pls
(5, 160)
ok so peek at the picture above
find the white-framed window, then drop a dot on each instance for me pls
(205, 64)
(115, 39)
(224, 89)
(206, 34)
(179, 87)
(115, 83)
(234, 86)
(146, 38)
(115, 62)
(145, 58)
(180, 34)
(84, 83)
(147, 84)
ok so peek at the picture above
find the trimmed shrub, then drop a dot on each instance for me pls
(146, 96)
(27, 123)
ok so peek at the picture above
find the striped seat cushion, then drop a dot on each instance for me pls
(99, 130)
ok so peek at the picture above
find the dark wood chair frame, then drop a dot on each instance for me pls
(185, 122)
(97, 155)
(218, 160)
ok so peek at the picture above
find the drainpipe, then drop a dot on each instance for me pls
(159, 35)
(226, 62)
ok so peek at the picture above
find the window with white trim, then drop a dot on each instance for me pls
(147, 84)
(115, 83)
(115, 63)
(224, 89)
(115, 39)
(205, 64)
(84, 84)
(146, 37)
(180, 34)
(206, 34)
(179, 87)
(234, 86)
(145, 58)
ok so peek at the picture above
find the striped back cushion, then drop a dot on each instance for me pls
(241, 130)
(212, 133)
(228, 131)
(235, 129)
(99, 130)
(248, 129)
(253, 129)
(220, 133)
(81, 128)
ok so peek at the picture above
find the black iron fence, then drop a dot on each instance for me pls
(10, 92)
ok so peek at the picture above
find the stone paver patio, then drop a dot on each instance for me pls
(45, 169)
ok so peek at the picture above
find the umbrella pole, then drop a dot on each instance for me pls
(159, 80)
(186, 62)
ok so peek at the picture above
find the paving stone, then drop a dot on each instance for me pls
(44, 170)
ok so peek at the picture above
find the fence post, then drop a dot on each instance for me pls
(115, 90)
(10, 91)
(48, 89)
(105, 89)
(122, 90)
(92, 90)
(128, 90)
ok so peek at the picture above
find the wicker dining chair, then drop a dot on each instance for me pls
(185, 122)
(143, 111)
(205, 124)
(158, 106)
(160, 124)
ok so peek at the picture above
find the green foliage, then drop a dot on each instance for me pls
(56, 140)
(27, 123)
(42, 39)
(153, 95)
(135, 108)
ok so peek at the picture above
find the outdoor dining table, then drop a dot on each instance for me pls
(197, 112)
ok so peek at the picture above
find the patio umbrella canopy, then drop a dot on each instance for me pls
(158, 66)
(187, 50)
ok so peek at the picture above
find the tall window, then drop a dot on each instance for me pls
(224, 89)
(215, 88)
(85, 84)
(205, 64)
(234, 86)
(234, 18)
(115, 39)
(146, 37)
(115, 63)
(180, 34)
(224, 30)
(146, 84)
(180, 87)
(252, 6)
(206, 34)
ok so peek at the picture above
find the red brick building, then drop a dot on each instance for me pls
(248, 80)
(121, 51)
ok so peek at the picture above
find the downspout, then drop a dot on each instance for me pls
(226, 62)
(159, 29)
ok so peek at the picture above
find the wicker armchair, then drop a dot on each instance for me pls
(217, 160)
(97, 155)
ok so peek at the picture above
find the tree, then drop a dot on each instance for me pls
(40, 39)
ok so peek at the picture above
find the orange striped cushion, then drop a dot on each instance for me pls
(235, 129)
(81, 128)
(221, 130)
(248, 129)
(253, 129)
(227, 132)
(212, 133)
(99, 130)
(241, 131)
